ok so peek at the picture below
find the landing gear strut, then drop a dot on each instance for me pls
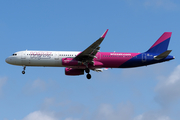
(24, 68)
(87, 70)
(88, 75)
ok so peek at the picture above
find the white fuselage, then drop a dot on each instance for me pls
(40, 58)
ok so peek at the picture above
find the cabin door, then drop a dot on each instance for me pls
(144, 57)
(57, 59)
(23, 55)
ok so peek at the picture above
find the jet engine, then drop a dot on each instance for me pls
(73, 72)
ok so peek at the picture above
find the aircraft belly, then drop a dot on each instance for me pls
(113, 63)
(42, 62)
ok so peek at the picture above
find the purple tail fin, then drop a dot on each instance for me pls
(161, 44)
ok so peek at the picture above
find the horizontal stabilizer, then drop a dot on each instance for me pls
(163, 55)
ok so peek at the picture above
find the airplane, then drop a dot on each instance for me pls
(76, 62)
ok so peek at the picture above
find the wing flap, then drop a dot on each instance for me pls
(100, 69)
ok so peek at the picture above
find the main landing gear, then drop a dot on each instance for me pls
(24, 68)
(88, 75)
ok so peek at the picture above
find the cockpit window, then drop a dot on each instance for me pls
(14, 54)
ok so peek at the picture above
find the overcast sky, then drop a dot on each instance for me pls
(43, 93)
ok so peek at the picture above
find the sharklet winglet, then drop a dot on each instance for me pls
(104, 34)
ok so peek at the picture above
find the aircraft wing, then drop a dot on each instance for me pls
(90, 53)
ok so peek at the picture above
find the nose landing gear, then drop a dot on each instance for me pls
(88, 75)
(24, 68)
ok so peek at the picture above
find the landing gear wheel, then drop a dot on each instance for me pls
(23, 72)
(88, 76)
(87, 70)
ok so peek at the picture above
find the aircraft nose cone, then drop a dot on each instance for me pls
(11, 61)
(7, 60)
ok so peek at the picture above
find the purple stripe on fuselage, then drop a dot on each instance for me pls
(114, 59)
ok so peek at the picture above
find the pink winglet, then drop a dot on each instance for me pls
(103, 36)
